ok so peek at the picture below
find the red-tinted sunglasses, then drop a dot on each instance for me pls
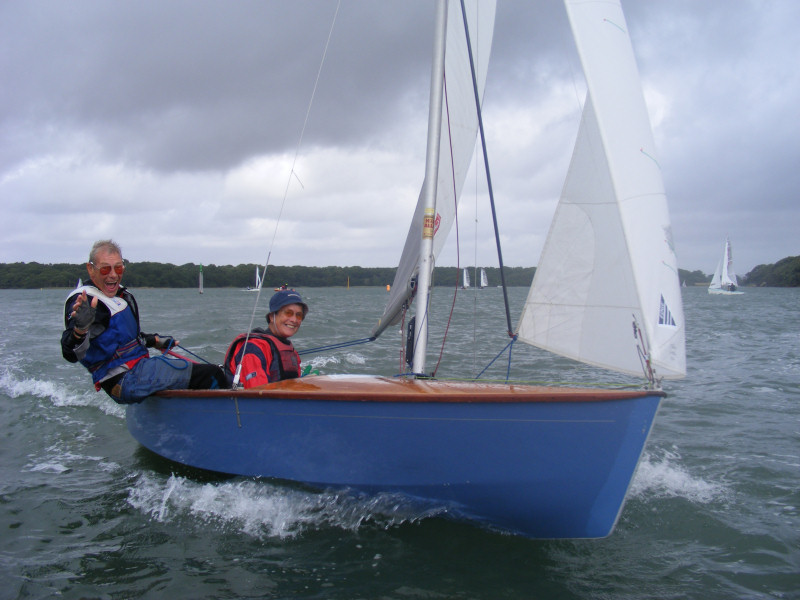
(119, 269)
(289, 313)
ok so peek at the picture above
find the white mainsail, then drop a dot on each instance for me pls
(484, 280)
(728, 274)
(609, 257)
(258, 283)
(460, 127)
(465, 279)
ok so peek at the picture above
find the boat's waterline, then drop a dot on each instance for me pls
(542, 462)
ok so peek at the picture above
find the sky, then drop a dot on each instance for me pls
(186, 131)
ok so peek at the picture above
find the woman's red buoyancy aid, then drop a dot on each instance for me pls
(260, 365)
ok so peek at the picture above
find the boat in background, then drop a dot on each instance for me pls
(724, 281)
(465, 283)
(484, 281)
(257, 286)
(200, 280)
(544, 462)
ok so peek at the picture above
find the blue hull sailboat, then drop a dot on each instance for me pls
(542, 462)
(547, 462)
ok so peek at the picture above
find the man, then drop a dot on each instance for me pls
(102, 333)
(268, 355)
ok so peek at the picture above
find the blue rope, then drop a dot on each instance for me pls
(192, 353)
(508, 370)
(337, 346)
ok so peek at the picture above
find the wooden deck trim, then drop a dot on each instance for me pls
(380, 389)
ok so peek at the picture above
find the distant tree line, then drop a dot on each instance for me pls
(165, 275)
(784, 273)
(693, 277)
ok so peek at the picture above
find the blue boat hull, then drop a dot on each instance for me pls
(544, 468)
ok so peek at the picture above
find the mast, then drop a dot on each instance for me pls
(429, 193)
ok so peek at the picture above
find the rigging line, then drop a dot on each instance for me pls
(288, 182)
(337, 345)
(303, 129)
(475, 260)
(499, 354)
(402, 340)
(486, 167)
(455, 201)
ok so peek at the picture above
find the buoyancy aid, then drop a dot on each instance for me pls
(120, 342)
(262, 347)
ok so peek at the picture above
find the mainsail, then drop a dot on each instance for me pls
(609, 257)
(728, 274)
(484, 280)
(458, 133)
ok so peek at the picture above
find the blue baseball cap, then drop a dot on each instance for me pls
(285, 298)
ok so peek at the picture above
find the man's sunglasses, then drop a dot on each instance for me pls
(106, 269)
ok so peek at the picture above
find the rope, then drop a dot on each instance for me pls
(507, 347)
(337, 346)
(286, 190)
(486, 168)
(199, 358)
(166, 352)
(458, 253)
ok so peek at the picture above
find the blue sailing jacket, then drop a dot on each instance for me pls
(119, 344)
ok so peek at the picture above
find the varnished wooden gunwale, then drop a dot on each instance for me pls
(383, 389)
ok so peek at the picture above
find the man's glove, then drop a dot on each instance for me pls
(84, 316)
(164, 342)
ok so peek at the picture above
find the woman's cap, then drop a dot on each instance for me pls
(285, 298)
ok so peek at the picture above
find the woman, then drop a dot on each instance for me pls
(265, 356)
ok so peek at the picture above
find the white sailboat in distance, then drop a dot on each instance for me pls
(724, 281)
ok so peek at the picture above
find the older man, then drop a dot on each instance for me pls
(102, 333)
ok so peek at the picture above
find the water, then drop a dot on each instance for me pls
(87, 513)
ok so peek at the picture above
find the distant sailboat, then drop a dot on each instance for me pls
(465, 280)
(200, 282)
(257, 286)
(484, 282)
(724, 280)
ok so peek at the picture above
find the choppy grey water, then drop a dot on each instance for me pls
(87, 513)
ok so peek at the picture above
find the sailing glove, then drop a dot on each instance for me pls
(84, 316)
(165, 342)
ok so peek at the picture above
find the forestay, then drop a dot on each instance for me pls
(609, 256)
(458, 133)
